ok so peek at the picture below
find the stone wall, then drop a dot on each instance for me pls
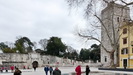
(20, 60)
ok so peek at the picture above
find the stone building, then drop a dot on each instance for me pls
(20, 60)
(112, 16)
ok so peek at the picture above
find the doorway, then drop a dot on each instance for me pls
(35, 64)
(124, 62)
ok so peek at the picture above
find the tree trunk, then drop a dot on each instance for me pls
(112, 59)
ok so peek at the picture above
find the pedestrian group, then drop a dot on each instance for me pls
(47, 69)
(78, 70)
(56, 71)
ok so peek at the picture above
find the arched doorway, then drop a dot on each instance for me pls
(35, 64)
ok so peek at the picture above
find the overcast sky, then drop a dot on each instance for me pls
(40, 19)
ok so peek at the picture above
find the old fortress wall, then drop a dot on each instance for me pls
(20, 60)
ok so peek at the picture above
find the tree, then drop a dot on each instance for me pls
(55, 46)
(71, 53)
(95, 52)
(6, 49)
(3, 45)
(92, 11)
(43, 43)
(24, 45)
(84, 54)
(35, 45)
(42, 52)
(92, 53)
(70, 49)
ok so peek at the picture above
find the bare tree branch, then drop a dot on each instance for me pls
(123, 2)
(106, 1)
(104, 28)
(93, 38)
(96, 25)
(118, 38)
(113, 28)
(129, 3)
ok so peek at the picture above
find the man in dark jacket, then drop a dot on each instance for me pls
(56, 71)
(87, 70)
(17, 72)
(46, 69)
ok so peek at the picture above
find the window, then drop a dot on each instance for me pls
(117, 19)
(124, 30)
(124, 40)
(124, 51)
(124, 20)
(105, 58)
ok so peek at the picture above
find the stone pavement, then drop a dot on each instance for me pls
(68, 70)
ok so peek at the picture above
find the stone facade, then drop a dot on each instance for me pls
(20, 60)
(113, 14)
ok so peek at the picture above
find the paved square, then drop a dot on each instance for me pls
(67, 70)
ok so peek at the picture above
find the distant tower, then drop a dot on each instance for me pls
(113, 14)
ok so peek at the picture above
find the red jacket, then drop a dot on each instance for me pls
(78, 70)
(12, 67)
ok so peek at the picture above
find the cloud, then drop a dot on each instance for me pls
(38, 19)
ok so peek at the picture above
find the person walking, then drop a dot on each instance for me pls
(87, 70)
(12, 68)
(17, 72)
(50, 70)
(1, 69)
(6, 68)
(56, 71)
(78, 70)
(46, 69)
(24, 67)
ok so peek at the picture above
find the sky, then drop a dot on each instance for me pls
(40, 19)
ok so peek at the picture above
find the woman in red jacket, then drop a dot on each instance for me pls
(78, 70)
(12, 68)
